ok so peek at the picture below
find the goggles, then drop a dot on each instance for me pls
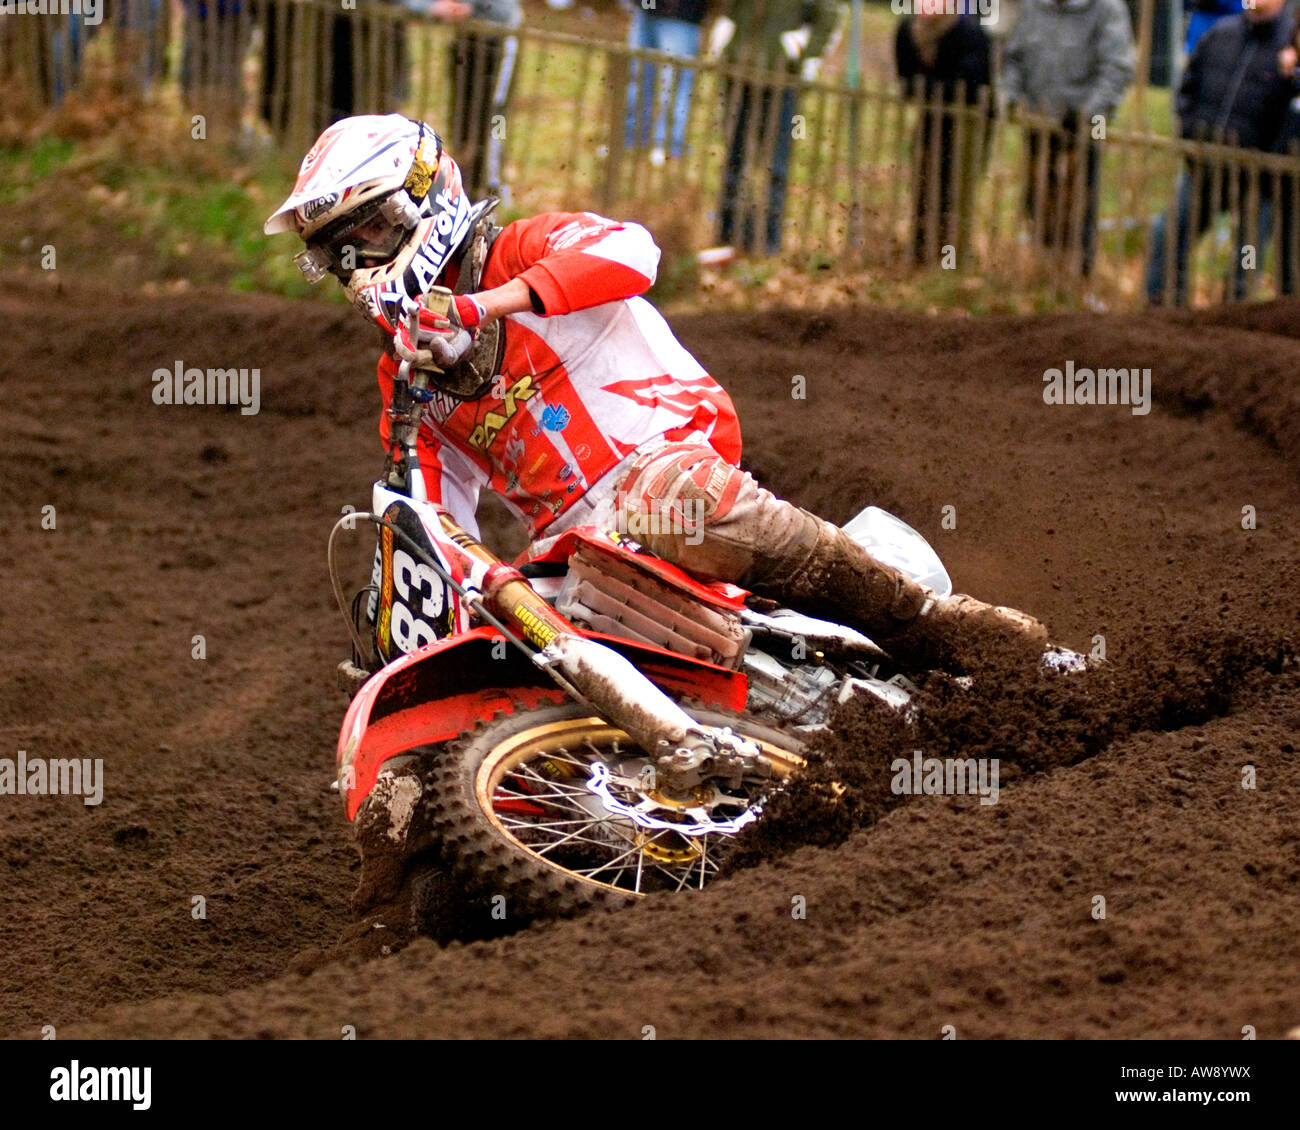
(368, 236)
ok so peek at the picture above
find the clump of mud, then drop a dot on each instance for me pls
(1029, 720)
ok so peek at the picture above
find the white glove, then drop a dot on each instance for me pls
(426, 339)
(812, 67)
(794, 43)
(720, 35)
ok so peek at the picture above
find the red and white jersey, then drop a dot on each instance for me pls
(592, 378)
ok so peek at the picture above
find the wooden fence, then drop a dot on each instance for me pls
(868, 179)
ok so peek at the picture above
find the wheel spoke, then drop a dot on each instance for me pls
(566, 758)
(606, 866)
(539, 796)
(569, 837)
(528, 775)
(539, 825)
(559, 805)
(575, 839)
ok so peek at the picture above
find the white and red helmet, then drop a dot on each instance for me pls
(380, 205)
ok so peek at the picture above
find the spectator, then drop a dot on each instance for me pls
(216, 38)
(1204, 15)
(1070, 60)
(944, 58)
(784, 39)
(1233, 92)
(481, 65)
(61, 42)
(347, 34)
(672, 26)
(1289, 142)
(144, 28)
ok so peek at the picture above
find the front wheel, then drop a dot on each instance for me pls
(555, 809)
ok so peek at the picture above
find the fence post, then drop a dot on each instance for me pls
(833, 210)
(995, 135)
(1081, 158)
(1037, 140)
(1173, 223)
(929, 140)
(854, 238)
(1146, 19)
(1250, 234)
(617, 75)
(959, 163)
(875, 150)
(579, 122)
(902, 162)
(1277, 255)
(1232, 176)
(1290, 219)
(819, 115)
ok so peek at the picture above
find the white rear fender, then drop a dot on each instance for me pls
(893, 542)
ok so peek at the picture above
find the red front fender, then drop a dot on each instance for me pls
(440, 691)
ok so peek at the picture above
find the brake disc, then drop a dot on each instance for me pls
(640, 814)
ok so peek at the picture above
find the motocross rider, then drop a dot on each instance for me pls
(561, 389)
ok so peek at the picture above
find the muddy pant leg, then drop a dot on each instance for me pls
(691, 507)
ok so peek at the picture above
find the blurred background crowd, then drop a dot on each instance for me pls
(955, 130)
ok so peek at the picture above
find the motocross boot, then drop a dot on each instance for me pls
(826, 573)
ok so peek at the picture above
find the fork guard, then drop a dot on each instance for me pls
(446, 688)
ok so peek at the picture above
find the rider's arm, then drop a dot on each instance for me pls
(514, 297)
(564, 261)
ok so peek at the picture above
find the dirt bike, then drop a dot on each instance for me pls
(590, 726)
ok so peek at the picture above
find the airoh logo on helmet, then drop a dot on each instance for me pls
(450, 227)
(314, 208)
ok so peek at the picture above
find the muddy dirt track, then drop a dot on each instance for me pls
(174, 522)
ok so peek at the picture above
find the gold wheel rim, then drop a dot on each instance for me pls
(536, 742)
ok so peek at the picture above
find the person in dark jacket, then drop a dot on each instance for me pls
(785, 39)
(1233, 93)
(657, 94)
(336, 40)
(943, 59)
(1072, 61)
(482, 66)
(1204, 14)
